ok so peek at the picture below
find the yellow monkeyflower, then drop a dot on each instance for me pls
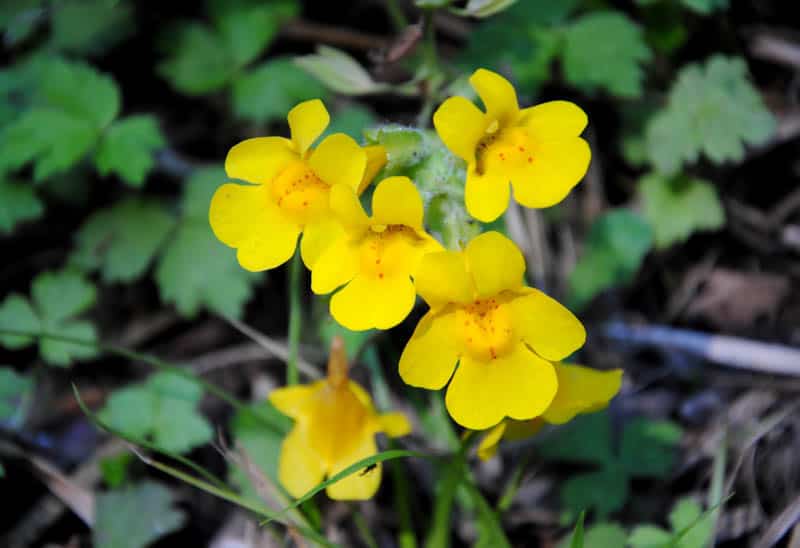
(289, 190)
(538, 149)
(374, 256)
(580, 390)
(335, 427)
(503, 334)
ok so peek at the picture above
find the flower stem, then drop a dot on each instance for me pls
(295, 319)
(430, 67)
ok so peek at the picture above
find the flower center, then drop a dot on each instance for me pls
(385, 250)
(486, 329)
(500, 148)
(298, 191)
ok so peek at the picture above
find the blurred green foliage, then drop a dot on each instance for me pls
(165, 412)
(57, 298)
(646, 450)
(135, 516)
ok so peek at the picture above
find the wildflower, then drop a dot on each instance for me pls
(537, 149)
(374, 256)
(503, 334)
(335, 427)
(580, 390)
(289, 190)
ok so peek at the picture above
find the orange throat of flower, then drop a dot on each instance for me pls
(503, 149)
(300, 193)
(485, 328)
(385, 250)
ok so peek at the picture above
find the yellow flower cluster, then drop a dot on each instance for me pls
(499, 340)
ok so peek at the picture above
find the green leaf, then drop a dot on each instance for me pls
(577, 534)
(127, 148)
(713, 110)
(17, 314)
(270, 90)
(649, 536)
(64, 353)
(72, 104)
(90, 26)
(705, 6)
(692, 527)
(600, 535)
(115, 469)
(585, 439)
(12, 389)
(18, 203)
(165, 412)
(57, 296)
(135, 517)
(340, 72)
(199, 62)
(615, 247)
(219, 284)
(524, 38)
(248, 27)
(678, 206)
(123, 240)
(2, 471)
(648, 447)
(604, 491)
(606, 50)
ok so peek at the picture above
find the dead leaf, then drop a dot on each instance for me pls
(735, 300)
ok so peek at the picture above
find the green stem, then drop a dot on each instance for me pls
(406, 538)
(431, 68)
(396, 15)
(295, 319)
(439, 535)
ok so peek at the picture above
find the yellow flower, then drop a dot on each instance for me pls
(375, 256)
(538, 149)
(580, 390)
(289, 190)
(503, 334)
(335, 427)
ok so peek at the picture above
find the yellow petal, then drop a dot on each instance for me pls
(497, 94)
(491, 439)
(234, 209)
(460, 125)
(518, 384)
(307, 121)
(442, 278)
(394, 424)
(376, 159)
(360, 485)
(318, 235)
(339, 160)
(554, 120)
(556, 168)
(547, 326)
(372, 303)
(347, 208)
(294, 401)
(259, 160)
(486, 195)
(245, 217)
(495, 263)
(299, 469)
(431, 354)
(581, 390)
(396, 201)
(337, 266)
